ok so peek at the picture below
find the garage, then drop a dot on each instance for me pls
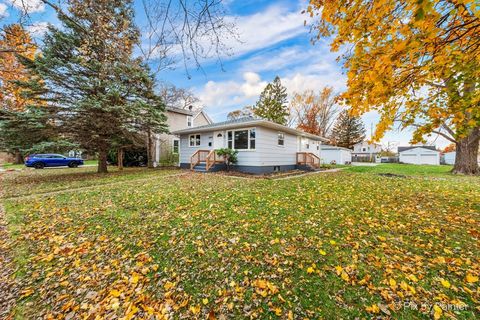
(335, 155)
(419, 155)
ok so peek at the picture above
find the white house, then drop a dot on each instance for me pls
(337, 155)
(366, 149)
(449, 157)
(419, 155)
(263, 146)
(168, 144)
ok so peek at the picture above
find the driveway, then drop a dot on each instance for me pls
(365, 164)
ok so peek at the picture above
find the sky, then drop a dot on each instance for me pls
(273, 40)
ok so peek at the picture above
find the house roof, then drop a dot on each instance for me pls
(248, 121)
(180, 110)
(329, 147)
(402, 149)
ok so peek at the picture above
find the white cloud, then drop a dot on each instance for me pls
(38, 28)
(3, 10)
(263, 29)
(221, 97)
(28, 6)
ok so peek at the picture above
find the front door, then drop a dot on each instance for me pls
(218, 140)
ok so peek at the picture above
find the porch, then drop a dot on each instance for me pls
(208, 161)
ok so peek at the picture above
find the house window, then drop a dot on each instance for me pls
(281, 139)
(241, 139)
(318, 145)
(194, 140)
(176, 146)
(364, 149)
(189, 121)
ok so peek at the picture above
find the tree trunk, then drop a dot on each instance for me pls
(18, 157)
(102, 162)
(120, 154)
(149, 149)
(466, 158)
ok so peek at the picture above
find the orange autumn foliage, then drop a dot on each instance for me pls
(14, 41)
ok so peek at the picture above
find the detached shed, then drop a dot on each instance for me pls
(419, 155)
(338, 155)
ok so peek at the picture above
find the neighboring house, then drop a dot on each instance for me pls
(419, 155)
(366, 150)
(338, 155)
(449, 157)
(263, 146)
(167, 144)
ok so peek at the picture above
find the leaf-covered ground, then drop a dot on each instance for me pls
(331, 245)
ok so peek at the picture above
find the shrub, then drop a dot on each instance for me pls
(229, 155)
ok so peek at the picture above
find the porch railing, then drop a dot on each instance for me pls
(308, 159)
(197, 157)
(210, 158)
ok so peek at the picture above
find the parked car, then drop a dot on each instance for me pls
(40, 161)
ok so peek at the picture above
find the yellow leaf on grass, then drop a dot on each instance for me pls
(115, 293)
(195, 309)
(437, 312)
(471, 278)
(445, 283)
(310, 270)
(168, 285)
(205, 301)
(322, 252)
(393, 283)
(345, 276)
(339, 269)
(134, 279)
(373, 309)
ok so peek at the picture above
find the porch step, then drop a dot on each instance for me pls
(201, 167)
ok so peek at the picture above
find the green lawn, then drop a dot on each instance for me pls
(351, 244)
(404, 169)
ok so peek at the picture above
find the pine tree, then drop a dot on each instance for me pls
(21, 125)
(97, 90)
(347, 131)
(272, 104)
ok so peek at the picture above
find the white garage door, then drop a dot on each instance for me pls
(428, 159)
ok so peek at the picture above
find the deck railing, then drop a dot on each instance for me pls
(210, 158)
(308, 159)
(197, 157)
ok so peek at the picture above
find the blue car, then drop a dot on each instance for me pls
(40, 161)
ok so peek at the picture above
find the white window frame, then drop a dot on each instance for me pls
(194, 140)
(280, 133)
(250, 139)
(189, 121)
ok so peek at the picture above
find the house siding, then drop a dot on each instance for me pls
(267, 154)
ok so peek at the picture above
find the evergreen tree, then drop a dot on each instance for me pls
(272, 104)
(20, 127)
(347, 131)
(98, 92)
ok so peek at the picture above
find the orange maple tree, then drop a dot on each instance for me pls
(414, 61)
(314, 112)
(15, 41)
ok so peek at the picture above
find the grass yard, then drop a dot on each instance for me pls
(351, 244)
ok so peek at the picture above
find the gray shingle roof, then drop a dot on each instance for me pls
(401, 149)
(233, 121)
(248, 120)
